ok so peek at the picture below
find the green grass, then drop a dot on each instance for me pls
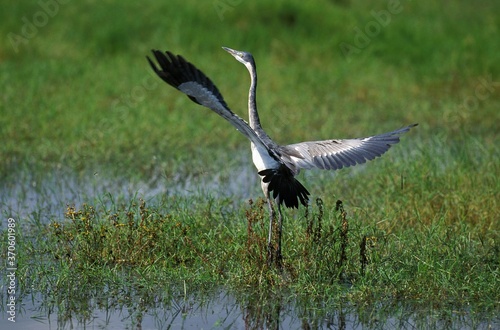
(79, 96)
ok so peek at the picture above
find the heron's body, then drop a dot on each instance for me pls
(276, 164)
(261, 158)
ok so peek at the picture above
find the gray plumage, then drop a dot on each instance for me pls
(336, 154)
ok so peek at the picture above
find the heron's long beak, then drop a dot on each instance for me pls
(230, 51)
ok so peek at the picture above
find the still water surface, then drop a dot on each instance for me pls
(223, 311)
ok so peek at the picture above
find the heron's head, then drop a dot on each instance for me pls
(240, 56)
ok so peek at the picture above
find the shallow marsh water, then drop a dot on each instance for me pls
(46, 196)
(224, 311)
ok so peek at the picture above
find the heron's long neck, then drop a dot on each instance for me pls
(253, 116)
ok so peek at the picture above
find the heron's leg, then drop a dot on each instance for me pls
(279, 257)
(269, 243)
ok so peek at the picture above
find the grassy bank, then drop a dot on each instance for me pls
(423, 224)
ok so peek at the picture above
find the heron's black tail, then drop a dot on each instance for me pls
(284, 187)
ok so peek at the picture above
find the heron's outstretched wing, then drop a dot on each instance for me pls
(184, 76)
(336, 154)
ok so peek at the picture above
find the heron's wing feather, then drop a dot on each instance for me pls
(184, 76)
(336, 154)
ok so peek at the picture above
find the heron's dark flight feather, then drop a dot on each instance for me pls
(175, 71)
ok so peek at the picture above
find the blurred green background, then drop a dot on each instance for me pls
(79, 97)
(77, 91)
